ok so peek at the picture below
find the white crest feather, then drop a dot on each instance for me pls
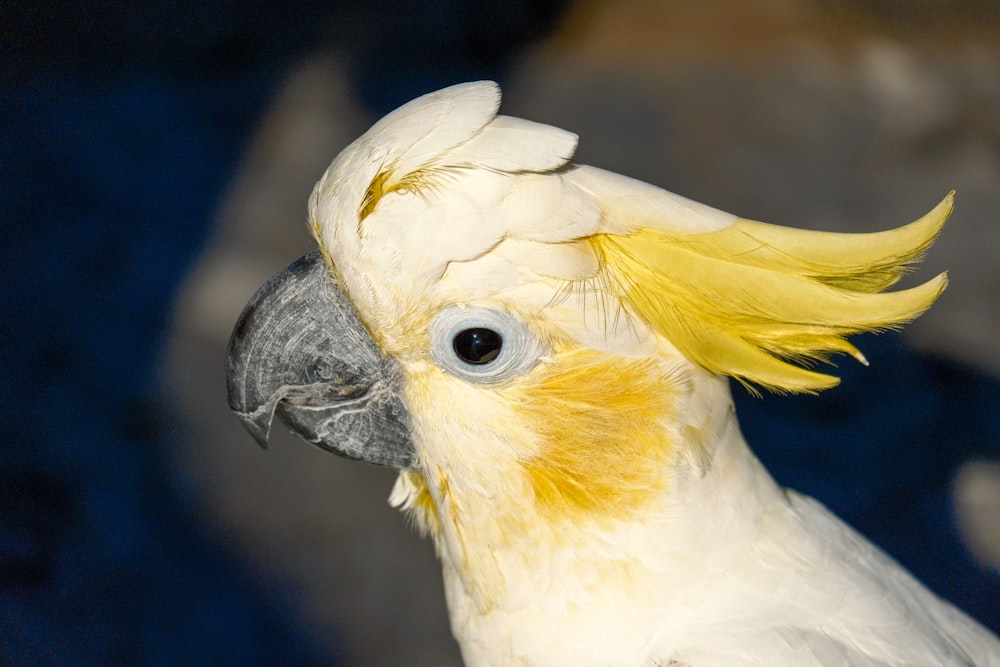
(422, 130)
(629, 205)
(511, 144)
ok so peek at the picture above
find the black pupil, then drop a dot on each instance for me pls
(477, 346)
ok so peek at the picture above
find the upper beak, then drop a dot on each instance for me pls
(300, 351)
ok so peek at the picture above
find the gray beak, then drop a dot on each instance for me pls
(300, 352)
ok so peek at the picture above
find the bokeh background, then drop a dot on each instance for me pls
(155, 161)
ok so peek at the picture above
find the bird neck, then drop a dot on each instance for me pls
(499, 545)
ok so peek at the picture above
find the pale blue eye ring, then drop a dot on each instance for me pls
(483, 345)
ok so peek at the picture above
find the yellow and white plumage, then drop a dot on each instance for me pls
(590, 496)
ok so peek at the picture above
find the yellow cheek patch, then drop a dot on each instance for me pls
(602, 424)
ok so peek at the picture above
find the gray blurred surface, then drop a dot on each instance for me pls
(815, 115)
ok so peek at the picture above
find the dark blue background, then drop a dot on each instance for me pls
(121, 124)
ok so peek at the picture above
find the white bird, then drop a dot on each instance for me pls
(542, 349)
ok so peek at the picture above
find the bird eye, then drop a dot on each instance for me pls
(478, 345)
(483, 345)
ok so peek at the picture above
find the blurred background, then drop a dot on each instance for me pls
(155, 161)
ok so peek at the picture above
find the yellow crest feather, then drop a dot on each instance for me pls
(746, 300)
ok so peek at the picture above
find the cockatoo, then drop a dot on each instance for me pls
(542, 350)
